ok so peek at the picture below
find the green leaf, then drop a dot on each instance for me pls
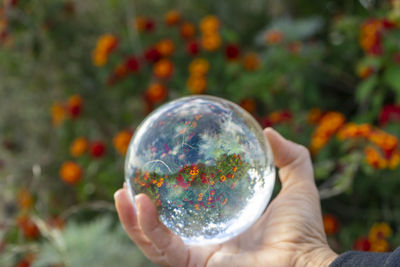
(365, 88)
(392, 78)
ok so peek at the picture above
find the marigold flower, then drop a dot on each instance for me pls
(57, 113)
(74, 106)
(28, 227)
(196, 84)
(70, 172)
(25, 199)
(365, 71)
(211, 42)
(248, 104)
(152, 55)
(314, 115)
(394, 160)
(199, 66)
(192, 48)
(251, 61)
(274, 37)
(329, 124)
(97, 149)
(331, 224)
(188, 30)
(362, 244)
(173, 17)
(165, 47)
(380, 245)
(370, 36)
(156, 93)
(389, 113)
(78, 147)
(121, 141)
(379, 231)
(232, 52)
(105, 45)
(132, 64)
(209, 24)
(163, 69)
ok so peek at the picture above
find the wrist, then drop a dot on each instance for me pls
(319, 256)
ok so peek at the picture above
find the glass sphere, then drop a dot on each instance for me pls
(207, 166)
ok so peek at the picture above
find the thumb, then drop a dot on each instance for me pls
(292, 159)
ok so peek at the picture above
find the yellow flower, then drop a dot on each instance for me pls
(57, 113)
(121, 141)
(380, 245)
(209, 24)
(379, 231)
(199, 66)
(196, 84)
(78, 147)
(211, 42)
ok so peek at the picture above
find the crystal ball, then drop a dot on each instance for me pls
(207, 166)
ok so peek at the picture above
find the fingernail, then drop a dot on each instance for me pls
(117, 194)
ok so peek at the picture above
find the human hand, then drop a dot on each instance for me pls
(289, 233)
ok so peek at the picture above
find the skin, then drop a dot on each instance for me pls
(289, 233)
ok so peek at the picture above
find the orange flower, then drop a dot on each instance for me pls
(314, 115)
(196, 84)
(331, 224)
(274, 37)
(249, 104)
(105, 45)
(160, 182)
(78, 147)
(70, 172)
(394, 161)
(222, 178)
(28, 227)
(165, 47)
(199, 66)
(25, 199)
(211, 42)
(370, 36)
(209, 24)
(380, 245)
(57, 113)
(172, 17)
(156, 93)
(140, 23)
(121, 141)
(188, 30)
(251, 61)
(374, 159)
(163, 69)
(379, 231)
(329, 124)
(194, 170)
(74, 106)
(196, 206)
(365, 71)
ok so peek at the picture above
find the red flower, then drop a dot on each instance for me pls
(149, 25)
(192, 48)
(232, 52)
(389, 113)
(97, 149)
(152, 55)
(132, 64)
(362, 244)
(74, 106)
(331, 224)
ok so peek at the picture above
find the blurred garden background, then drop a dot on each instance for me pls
(77, 77)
